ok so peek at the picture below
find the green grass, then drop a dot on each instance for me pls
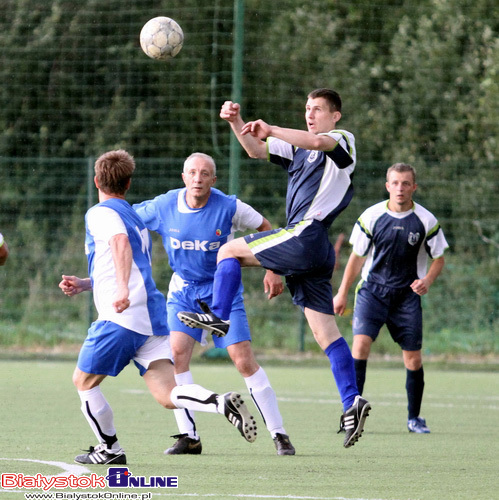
(41, 421)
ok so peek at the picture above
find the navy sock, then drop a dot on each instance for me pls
(360, 373)
(343, 369)
(414, 386)
(225, 286)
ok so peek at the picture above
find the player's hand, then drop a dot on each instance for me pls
(272, 284)
(122, 302)
(230, 111)
(340, 304)
(72, 285)
(420, 287)
(258, 129)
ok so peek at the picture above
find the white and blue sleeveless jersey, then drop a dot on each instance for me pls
(397, 245)
(193, 236)
(319, 182)
(147, 312)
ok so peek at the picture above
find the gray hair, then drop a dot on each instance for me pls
(203, 156)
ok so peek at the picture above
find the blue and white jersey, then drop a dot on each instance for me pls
(193, 236)
(397, 245)
(147, 312)
(319, 182)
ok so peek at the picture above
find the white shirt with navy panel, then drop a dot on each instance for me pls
(397, 245)
(193, 236)
(147, 312)
(319, 182)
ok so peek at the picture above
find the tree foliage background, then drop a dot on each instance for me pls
(419, 82)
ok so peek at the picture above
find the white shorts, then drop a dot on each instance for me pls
(156, 347)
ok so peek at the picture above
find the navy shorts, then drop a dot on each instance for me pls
(400, 309)
(305, 256)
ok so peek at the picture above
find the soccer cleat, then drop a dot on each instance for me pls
(418, 425)
(342, 425)
(185, 445)
(239, 416)
(206, 320)
(100, 455)
(354, 419)
(283, 445)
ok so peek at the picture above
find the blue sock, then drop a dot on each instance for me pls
(225, 286)
(343, 368)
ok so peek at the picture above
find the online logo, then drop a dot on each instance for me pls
(121, 477)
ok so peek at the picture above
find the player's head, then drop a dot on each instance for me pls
(199, 177)
(400, 184)
(402, 167)
(322, 111)
(207, 159)
(331, 96)
(113, 171)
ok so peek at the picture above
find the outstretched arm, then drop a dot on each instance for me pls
(299, 138)
(72, 285)
(352, 269)
(254, 146)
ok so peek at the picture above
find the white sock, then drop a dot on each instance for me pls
(195, 397)
(265, 400)
(99, 415)
(184, 417)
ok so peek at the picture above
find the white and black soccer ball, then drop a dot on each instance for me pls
(161, 38)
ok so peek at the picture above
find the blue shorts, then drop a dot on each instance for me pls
(305, 256)
(185, 300)
(400, 309)
(109, 348)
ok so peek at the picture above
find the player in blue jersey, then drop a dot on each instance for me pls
(194, 222)
(4, 250)
(320, 163)
(132, 318)
(392, 241)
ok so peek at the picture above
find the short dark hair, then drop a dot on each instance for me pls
(402, 167)
(113, 171)
(331, 96)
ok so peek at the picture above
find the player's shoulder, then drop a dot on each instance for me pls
(102, 208)
(337, 133)
(220, 194)
(171, 194)
(220, 198)
(424, 214)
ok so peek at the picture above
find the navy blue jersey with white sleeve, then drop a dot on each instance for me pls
(147, 311)
(319, 182)
(193, 236)
(397, 245)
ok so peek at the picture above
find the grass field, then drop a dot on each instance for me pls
(41, 424)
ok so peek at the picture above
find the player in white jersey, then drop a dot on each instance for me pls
(392, 242)
(320, 163)
(132, 318)
(194, 222)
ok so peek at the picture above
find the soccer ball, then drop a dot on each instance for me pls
(161, 38)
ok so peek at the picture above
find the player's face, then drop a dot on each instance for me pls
(198, 178)
(401, 186)
(319, 116)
